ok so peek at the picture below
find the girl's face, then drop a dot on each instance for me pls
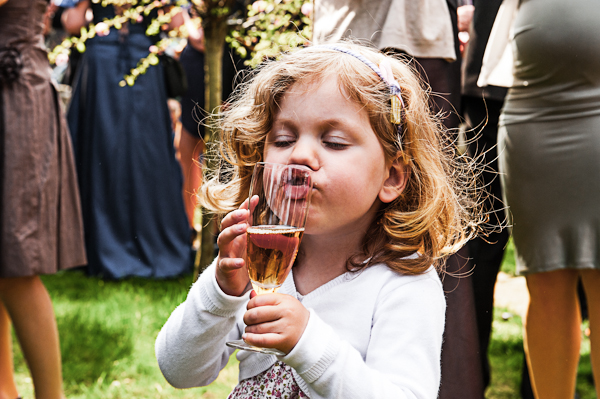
(319, 127)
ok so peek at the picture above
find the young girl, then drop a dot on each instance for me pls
(361, 314)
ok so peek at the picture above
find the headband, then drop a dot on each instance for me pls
(384, 71)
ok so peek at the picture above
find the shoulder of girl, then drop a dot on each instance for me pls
(390, 275)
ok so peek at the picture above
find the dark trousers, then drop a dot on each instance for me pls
(462, 375)
(461, 368)
(486, 252)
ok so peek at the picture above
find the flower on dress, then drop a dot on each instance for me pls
(11, 64)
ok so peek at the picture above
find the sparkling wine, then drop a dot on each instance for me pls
(271, 253)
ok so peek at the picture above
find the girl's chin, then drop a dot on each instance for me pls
(315, 230)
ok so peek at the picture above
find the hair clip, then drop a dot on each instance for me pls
(396, 101)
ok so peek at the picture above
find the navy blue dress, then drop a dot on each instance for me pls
(130, 181)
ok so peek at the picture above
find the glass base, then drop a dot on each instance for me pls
(260, 289)
(240, 344)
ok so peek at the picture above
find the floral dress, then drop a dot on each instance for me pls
(276, 382)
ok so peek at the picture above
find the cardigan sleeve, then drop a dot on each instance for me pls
(190, 347)
(403, 356)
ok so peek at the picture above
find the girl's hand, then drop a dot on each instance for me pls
(232, 275)
(275, 321)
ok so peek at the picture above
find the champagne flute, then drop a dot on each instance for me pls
(278, 204)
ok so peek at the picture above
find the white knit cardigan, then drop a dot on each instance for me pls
(371, 334)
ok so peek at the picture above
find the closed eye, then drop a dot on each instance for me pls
(335, 145)
(281, 138)
(283, 143)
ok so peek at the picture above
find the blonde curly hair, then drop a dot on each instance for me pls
(437, 212)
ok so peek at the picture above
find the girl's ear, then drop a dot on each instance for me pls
(395, 183)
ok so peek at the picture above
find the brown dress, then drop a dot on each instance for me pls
(42, 230)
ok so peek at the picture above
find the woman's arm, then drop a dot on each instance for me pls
(73, 19)
(190, 347)
(196, 35)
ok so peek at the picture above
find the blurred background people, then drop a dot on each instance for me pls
(481, 109)
(42, 229)
(191, 138)
(426, 34)
(549, 148)
(130, 181)
(421, 30)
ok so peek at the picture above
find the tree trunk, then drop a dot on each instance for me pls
(215, 32)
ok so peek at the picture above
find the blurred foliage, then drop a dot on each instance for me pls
(258, 30)
(129, 11)
(272, 27)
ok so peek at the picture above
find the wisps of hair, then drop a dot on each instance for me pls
(438, 211)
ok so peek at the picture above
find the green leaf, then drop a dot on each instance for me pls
(153, 59)
(80, 47)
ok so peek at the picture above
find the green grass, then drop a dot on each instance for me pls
(506, 357)
(508, 262)
(506, 360)
(107, 332)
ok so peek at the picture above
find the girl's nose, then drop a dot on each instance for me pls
(304, 153)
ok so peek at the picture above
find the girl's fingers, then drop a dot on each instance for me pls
(262, 314)
(265, 300)
(231, 233)
(275, 321)
(231, 264)
(275, 327)
(237, 216)
(270, 340)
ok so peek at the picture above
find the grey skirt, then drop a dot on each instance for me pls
(549, 137)
(550, 173)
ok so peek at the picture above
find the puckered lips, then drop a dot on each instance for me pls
(296, 183)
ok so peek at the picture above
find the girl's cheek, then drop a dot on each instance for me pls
(275, 157)
(312, 221)
(269, 154)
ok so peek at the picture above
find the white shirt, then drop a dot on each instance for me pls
(421, 28)
(371, 334)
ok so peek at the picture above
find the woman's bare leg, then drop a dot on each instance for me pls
(8, 389)
(30, 309)
(552, 333)
(190, 149)
(591, 285)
